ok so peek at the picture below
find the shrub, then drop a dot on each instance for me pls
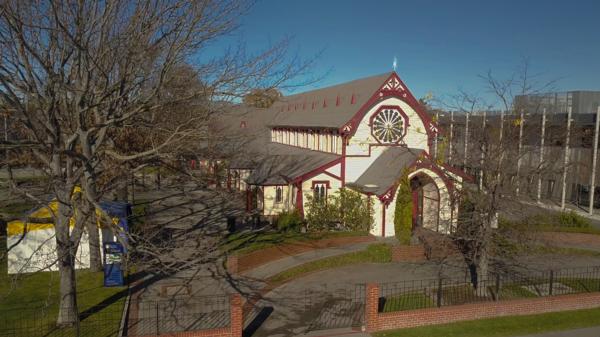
(403, 211)
(346, 210)
(572, 219)
(289, 221)
(353, 209)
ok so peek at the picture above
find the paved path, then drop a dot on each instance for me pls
(586, 332)
(273, 268)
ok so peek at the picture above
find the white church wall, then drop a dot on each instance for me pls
(334, 186)
(336, 170)
(356, 166)
(416, 135)
(378, 209)
(271, 207)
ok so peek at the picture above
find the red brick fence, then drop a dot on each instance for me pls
(376, 321)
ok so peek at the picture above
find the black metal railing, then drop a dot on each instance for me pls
(420, 294)
(142, 318)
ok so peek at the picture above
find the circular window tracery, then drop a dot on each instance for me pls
(388, 126)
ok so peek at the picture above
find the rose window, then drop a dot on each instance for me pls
(388, 126)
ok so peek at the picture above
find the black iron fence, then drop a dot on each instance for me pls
(177, 315)
(93, 321)
(142, 318)
(420, 294)
(335, 306)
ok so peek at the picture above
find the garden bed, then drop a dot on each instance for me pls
(256, 249)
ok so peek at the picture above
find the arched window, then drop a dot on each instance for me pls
(320, 191)
(279, 194)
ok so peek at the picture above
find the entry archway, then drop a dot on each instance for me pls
(437, 205)
(426, 202)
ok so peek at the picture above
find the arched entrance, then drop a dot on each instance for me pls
(426, 202)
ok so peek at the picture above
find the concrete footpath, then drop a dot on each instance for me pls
(275, 267)
(585, 332)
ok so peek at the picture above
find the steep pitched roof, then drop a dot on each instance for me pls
(387, 169)
(329, 107)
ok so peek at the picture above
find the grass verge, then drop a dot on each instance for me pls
(409, 301)
(245, 242)
(29, 304)
(375, 253)
(505, 326)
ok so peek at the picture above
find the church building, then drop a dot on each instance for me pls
(363, 135)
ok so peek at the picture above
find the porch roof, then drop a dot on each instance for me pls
(386, 169)
(282, 163)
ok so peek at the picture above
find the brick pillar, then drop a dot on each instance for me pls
(372, 307)
(236, 322)
(232, 264)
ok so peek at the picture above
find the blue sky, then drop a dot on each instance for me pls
(440, 45)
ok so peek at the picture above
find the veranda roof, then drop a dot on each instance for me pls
(281, 164)
(387, 169)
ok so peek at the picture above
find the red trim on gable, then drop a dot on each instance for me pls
(415, 165)
(402, 94)
(458, 172)
(405, 127)
(318, 170)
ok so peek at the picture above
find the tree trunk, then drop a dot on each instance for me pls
(483, 268)
(66, 250)
(93, 237)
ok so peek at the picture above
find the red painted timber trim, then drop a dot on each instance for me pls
(405, 95)
(343, 162)
(332, 175)
(384, 206)
(318, 170)
(404, 129)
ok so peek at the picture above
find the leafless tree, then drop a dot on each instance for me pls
(79, 75)
(494, 154)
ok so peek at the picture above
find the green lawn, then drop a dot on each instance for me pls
(564, 251)
(514, 291)
(29, 304)
(505, 326)
(584, 230)
(375, 253)
(408, 301)
(246, 242)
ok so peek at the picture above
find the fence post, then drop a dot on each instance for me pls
(551, 282)
(157, 320)
(372, 307)
(236, 321)
(497, 287)
(439, 292)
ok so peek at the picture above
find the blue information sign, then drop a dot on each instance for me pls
(113, 257)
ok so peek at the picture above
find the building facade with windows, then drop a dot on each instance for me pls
(363, 135)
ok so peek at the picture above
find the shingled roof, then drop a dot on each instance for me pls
(329, 107)
(282, 164)
(248, 128)
(387, 169)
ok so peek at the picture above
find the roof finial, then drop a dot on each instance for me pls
(395, 63)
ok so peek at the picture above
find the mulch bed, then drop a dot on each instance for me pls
(581, 240)
(266, 255)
